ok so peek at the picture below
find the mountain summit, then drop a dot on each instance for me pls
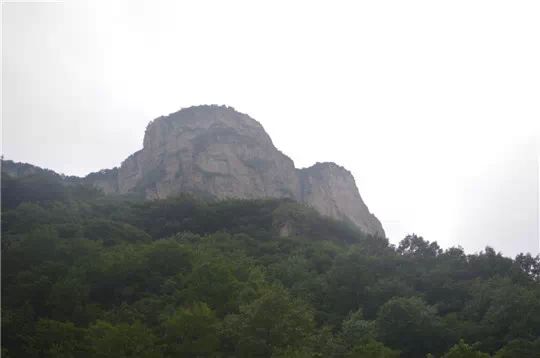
(217, 152)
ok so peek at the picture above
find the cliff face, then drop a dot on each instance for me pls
(331, 190)
(218, 152)
(208, 150)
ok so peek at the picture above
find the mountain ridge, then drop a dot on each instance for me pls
(218, 152)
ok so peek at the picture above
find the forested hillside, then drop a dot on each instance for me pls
(84, 275)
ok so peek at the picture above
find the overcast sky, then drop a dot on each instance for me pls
(434, 106)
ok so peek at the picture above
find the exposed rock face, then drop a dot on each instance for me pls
(331, 190)
(218, 152)
(209, 150)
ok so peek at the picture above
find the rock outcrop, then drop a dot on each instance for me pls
(331, 190)
(217, 152)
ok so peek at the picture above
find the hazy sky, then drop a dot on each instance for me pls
(434, 106)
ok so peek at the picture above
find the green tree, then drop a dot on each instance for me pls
(529, 264)
(122, 341)
(356, 330)
(463, 350)
(191, 332)
(520, 348)
(215, 283)
(413, 245)
(410, 325)
(56, 339)
(372, 349)
(272, 323)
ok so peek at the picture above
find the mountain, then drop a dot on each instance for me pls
(86, 274)
(217, 152)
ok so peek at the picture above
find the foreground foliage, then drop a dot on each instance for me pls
(90, 276)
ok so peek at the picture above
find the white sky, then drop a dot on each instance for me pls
(434, 106)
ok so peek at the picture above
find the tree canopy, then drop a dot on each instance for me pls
(87, 275)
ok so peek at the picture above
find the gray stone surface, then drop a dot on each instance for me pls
(218, 152)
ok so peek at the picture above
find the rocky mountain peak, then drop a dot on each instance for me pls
(218, 152)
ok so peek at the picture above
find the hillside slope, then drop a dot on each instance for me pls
(89, 275)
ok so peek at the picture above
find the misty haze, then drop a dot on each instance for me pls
(240, 179)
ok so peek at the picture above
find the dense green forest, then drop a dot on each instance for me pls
(87, 275)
